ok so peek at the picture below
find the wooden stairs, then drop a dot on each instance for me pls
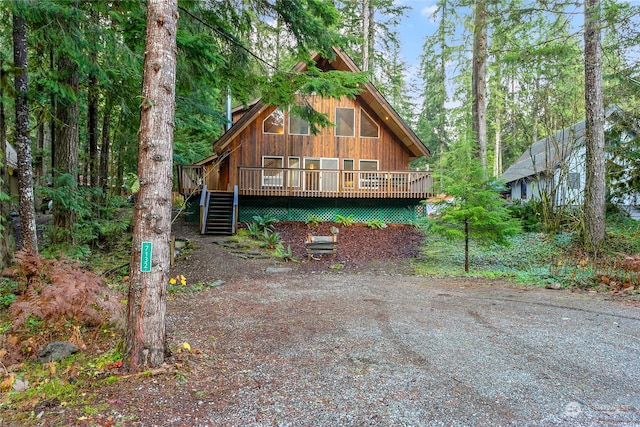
(219, 213)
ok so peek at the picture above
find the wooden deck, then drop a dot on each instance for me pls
(322, 183)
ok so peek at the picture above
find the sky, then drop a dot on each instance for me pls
(415, 27)
(420, 22)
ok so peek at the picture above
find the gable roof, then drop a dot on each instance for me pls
(548, 153)
(369, 95)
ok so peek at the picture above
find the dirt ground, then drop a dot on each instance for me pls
(370, 344)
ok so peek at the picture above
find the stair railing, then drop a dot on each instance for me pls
(234, 213)
(204, 208)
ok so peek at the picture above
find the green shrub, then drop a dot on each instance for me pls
(527, 213)
(8, 291)
(283, 253)
(266, 222)
(376, 223)
(100, 219)
(254, 230)
(313, 221)
(345, 221)
(270, 240)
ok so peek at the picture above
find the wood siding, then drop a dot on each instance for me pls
(248, 149)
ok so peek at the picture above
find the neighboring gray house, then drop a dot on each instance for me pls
(553, 168)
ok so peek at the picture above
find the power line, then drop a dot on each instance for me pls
(228, 37)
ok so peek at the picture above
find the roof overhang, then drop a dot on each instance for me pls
(369, 95)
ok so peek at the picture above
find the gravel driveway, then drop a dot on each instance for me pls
(300, 349)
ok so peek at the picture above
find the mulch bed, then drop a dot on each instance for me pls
(357, 243)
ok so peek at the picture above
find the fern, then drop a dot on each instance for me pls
(313, 221)
(265, 223)
(61, 289)
(283, 253)
(270, 240)
(345, 221)
(376, 224)
(254, 230)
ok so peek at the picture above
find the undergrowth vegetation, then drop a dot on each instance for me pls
(50, 293)
(57, 298)
(100, 220)
(261, 232)
(62, 294)
(545, 259)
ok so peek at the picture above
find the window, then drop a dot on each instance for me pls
(274, 123)
(523, 189)
(368, 165)
(297, 125)
(348, 174)
(272, 172)
(368, 174)
(574, 180)
(294, 175)
(345, 122)
(368, 127)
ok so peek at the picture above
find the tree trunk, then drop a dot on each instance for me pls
(594, 202)
(52, 123)
(66, 141)
(497, 160)
(23, 142)
(105, 147)
(146, 328)
(466, 246)
(371, 35)
(92, 131)
(479, 80)
(41, 133)
(365, 34)
(442, 123)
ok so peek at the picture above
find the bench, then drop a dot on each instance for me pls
(321, 245)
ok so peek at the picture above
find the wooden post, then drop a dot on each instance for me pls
(172, 250)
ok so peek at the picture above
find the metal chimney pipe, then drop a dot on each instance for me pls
(229, 116)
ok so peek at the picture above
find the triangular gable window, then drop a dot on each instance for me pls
(274, 123)
(344, 122)
(368, 127)
(298, 125)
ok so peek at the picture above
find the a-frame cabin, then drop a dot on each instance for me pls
(269, 163)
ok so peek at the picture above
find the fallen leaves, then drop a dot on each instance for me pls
(7, 382)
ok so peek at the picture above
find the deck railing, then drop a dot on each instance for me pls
(334, 183)
(190, 178)
(284, 182)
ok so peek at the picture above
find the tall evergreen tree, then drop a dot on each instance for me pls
(6, 230)
(438, 51)
(370, 28)
(23, 140)
(392, 83)
(66, 146)
(479, 79)
(594, 203)
(146, 334)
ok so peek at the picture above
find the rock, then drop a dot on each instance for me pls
(56, 351)
(20, 385)
(554, 286)
(278, 269)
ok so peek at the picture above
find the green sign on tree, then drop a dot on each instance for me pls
(145, 257)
